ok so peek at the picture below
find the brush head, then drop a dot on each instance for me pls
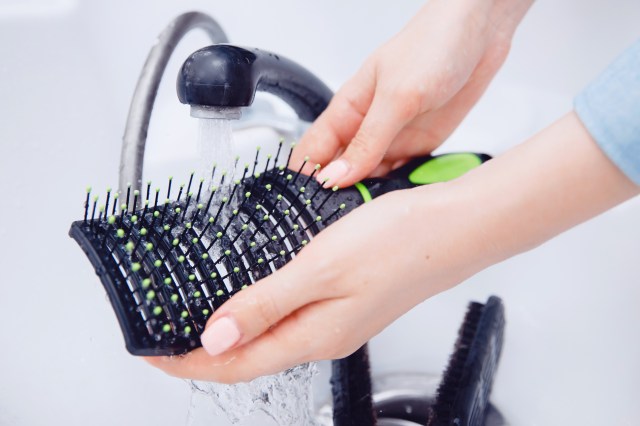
(462, 398)
(168, 267)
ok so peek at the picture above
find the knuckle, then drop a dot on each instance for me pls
(267, 309)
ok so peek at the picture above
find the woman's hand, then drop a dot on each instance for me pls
(344, 287)
(379, 261)
(413, 91)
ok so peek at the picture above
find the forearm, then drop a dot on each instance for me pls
(554, 181)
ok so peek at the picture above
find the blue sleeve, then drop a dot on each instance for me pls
(610, 110)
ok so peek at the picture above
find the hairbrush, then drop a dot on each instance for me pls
(167, 266)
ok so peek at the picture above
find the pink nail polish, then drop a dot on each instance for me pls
(220, 336)
(333, 173)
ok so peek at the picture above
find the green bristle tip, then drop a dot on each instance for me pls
(205, 312)
(195, 240)
(219, 293)
(318, 218)
(101, 209)
(279, 197)
(274, 238)
(166, 227)
(213, 275)
(214, 188)
(157, 310)
(227, 252)
(120, 233)
(180, 259)
(335, 188)
(188, 225)
(247, 194)
(268, 186)
(205, 256)
(343, 206)
(235, 212)
(190, 194)
(148, 246)
(123, 206)
(174, 298)
(295, 226)
(237, 181)
(143, 231)
(245, 227)
(225, 199)
(151, 294)
(157, 263)
(325, 180)
(243, 287)
(289, 177)
(192, 277)
(175, 242)
(211, 219)
(146, 283)
(305, 242)
(167, 280)
(95, 199)
(236, 269)
(135, 267)
(252, 244)
(306, 158)
(307, 202)
(134, 218)
(219, 234)
(184, 314)
(200, 206)
(201, 180)
(260, 260)
(136, 192)
(302, 189)
(256, 175)
(156, 213)
(88, 189)
(178, 210)
(116, 196)
(111, 220)
(293, 144)
(317, 166)
(282, 252)
(197, 294)
(187, 330)
(166, 328)
(129, 246)
(265, 217)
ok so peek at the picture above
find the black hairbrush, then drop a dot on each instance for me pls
(168, 266)
(463, 395)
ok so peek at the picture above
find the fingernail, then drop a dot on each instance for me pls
(220, 336)
(333, 173)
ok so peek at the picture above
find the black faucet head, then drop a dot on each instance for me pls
(227, 76)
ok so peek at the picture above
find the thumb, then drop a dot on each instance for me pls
(385, 119)
(253, 311)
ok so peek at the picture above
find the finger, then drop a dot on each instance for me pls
(255, 309)
(338, 124)
(297, 339)
(386, 117)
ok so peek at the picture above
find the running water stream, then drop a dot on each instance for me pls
(282, 399)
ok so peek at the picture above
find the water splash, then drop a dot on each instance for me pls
(283, 399)
(215, 147)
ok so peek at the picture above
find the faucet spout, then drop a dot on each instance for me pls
(223, 75)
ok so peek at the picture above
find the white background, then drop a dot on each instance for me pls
(67, 72)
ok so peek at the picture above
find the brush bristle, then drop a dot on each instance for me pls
(168, 266)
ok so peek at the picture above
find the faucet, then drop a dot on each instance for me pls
(218, 80)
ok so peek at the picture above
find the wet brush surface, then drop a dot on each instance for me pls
(168, 266)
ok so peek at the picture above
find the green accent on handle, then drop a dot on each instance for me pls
(364, 192)
(444, 168)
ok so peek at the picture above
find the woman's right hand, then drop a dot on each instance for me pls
(413, 91)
